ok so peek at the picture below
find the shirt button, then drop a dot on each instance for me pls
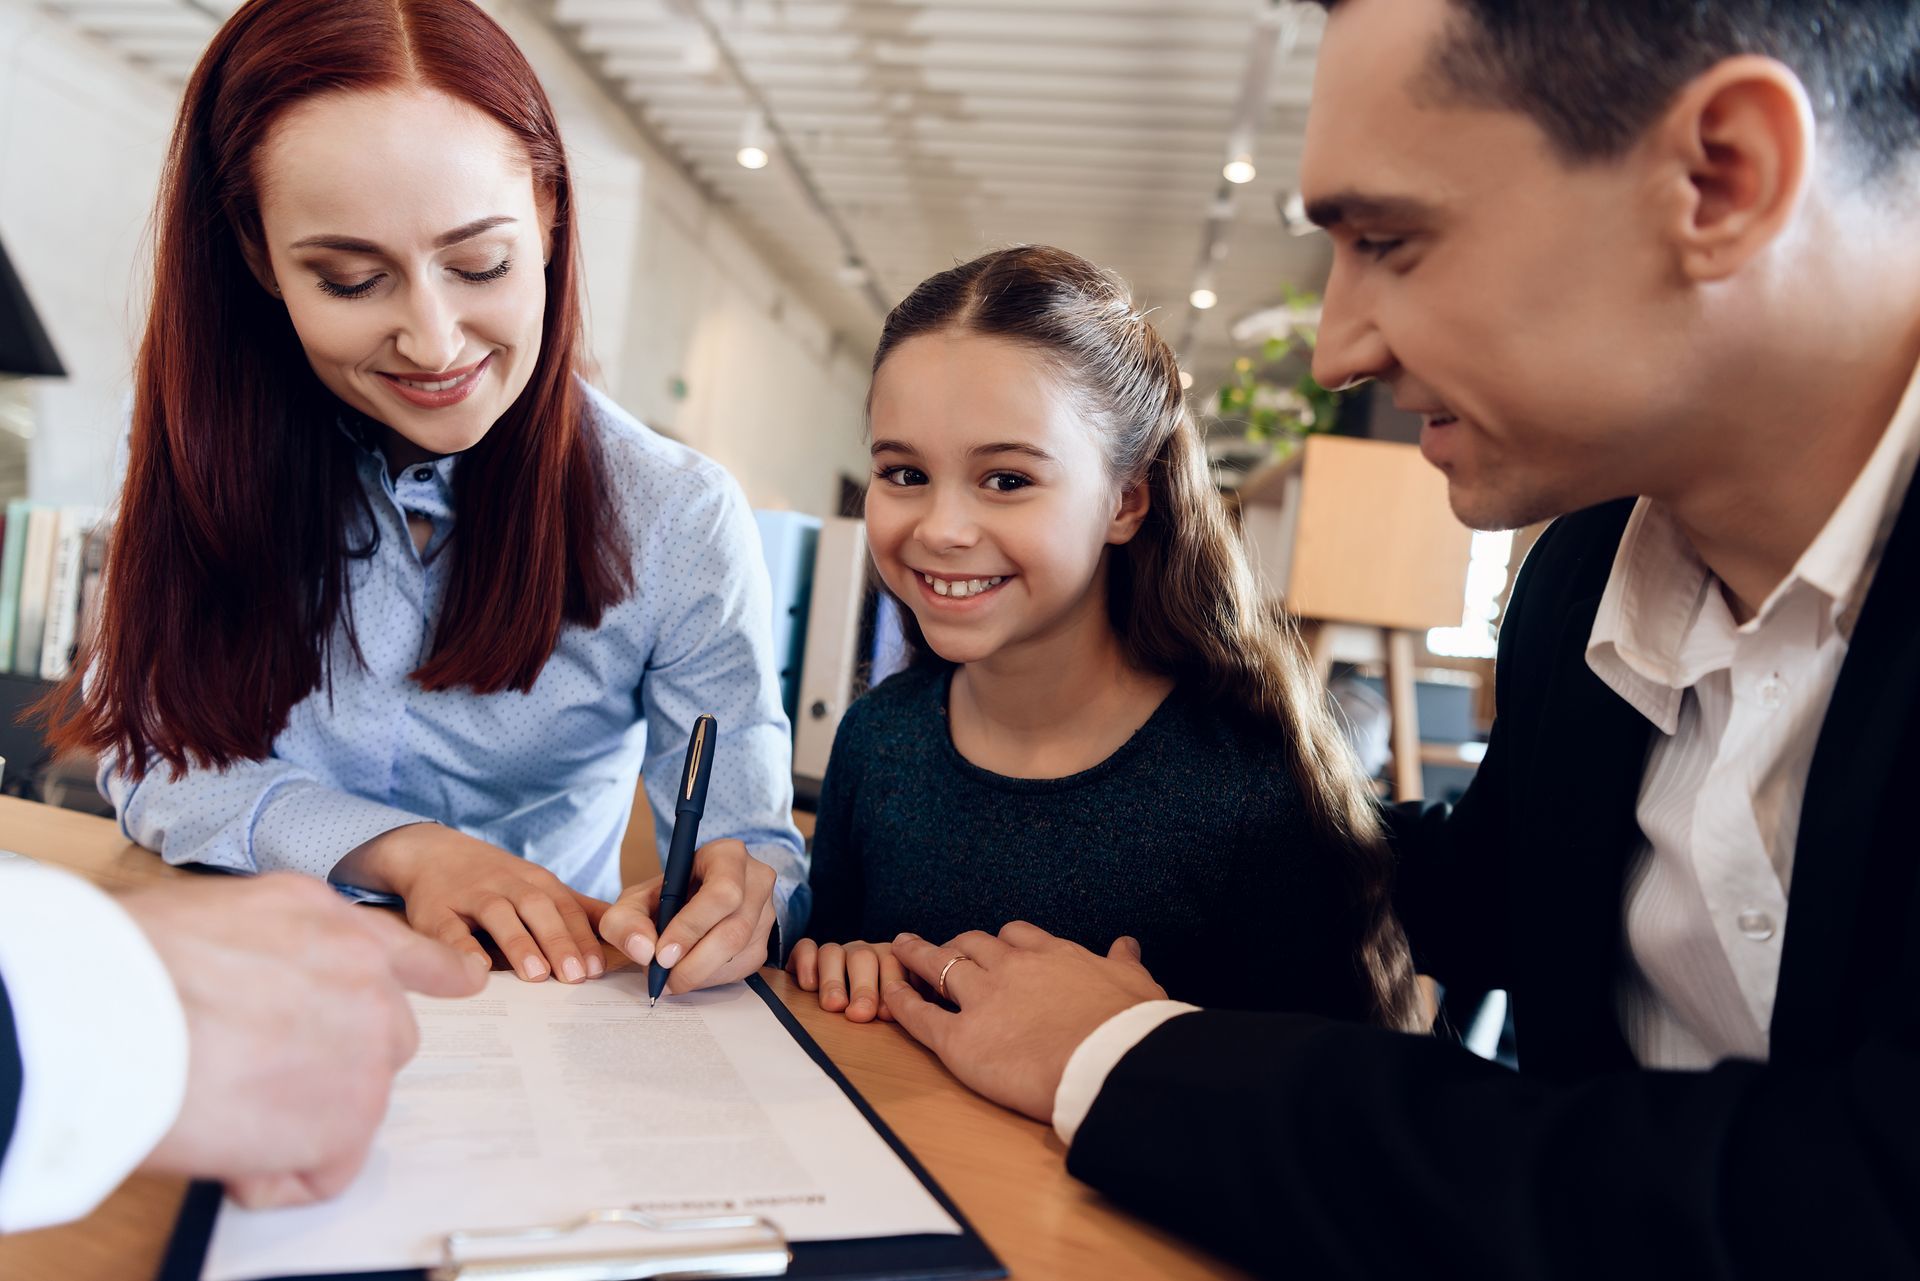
(423, 473)
(1773, 692)
(1756, 925)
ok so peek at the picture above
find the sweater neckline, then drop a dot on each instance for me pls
(1139, 741)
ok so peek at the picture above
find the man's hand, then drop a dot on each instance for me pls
(720, 932)
(1027, 1000)
(297, 1021)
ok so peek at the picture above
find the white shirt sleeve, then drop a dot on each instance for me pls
(102, 1039)
(1097, 1056)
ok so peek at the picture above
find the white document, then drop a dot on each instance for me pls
(534, 1103)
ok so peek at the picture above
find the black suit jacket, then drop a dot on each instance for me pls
(9, 1073)
(1302, 1146)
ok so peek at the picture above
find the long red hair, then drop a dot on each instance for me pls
(227, 574)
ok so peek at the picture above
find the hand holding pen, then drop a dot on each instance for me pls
(720, 932)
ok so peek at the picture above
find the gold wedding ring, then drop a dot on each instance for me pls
(941, 983)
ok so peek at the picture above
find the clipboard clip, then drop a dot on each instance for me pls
(467, 1255)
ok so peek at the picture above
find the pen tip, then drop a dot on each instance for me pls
(652, 1001)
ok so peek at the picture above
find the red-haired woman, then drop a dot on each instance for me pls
(394, 597)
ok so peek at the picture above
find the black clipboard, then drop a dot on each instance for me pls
(930, 1257)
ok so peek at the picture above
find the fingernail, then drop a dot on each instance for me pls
(640, 948)
(831, 989)
(905, 938)
(595, 966)
(670, 955)
(478, 963)
(536, 968)
(571, 968)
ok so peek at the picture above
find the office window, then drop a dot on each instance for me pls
(1486, 579)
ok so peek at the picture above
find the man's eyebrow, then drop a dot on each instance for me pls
(1355, 206)
(354, 245)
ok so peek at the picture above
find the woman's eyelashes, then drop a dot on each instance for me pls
(334, 289)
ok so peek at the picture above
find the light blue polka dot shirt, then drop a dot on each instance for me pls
(549, 774)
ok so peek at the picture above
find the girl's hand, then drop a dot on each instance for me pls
(835, 970)
(454, 884)
(720, 932)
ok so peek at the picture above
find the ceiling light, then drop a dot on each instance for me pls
(1203, 298)
(1293, 215)
(1239, 169)
(753, 144)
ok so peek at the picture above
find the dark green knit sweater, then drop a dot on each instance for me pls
(1190, 837)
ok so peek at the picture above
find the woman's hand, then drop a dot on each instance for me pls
(720, 932)
(454, 884)
(848, 976)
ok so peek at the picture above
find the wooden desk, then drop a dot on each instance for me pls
(1006, 1173)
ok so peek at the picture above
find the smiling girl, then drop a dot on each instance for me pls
(1105, 732)
(394, 598)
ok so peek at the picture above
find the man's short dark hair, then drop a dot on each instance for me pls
(1595, 74)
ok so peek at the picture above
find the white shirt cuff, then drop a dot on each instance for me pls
(103, 1045)
(1096, 1056)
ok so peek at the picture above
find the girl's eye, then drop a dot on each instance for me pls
(1376, 249)
(902, 475)
(1006, 482)
(360, 290)
(491, 273)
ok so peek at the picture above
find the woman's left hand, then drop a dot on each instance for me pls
(720, 932)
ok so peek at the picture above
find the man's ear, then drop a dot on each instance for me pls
(1129, 513)
(1738, 146)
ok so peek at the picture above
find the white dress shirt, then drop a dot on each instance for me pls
(1739, 709)
(103, 1045)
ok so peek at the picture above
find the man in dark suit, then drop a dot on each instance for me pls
(246, 1030)
(1656, 265)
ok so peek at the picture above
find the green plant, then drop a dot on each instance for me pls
(1276, 410)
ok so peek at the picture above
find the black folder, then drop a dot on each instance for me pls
(931, 1257)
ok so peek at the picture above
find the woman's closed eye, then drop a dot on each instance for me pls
(335, 289)
(902, 475)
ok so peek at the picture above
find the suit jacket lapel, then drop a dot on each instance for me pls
(1853, 876)
(1575, 857)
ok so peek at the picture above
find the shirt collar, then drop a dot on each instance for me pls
(372, 459)
(1658, 588)
(1840, 561)
(1663, 624)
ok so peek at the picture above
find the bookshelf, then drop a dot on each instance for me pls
(26, 754)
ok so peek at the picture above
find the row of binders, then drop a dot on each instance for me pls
(50, 566)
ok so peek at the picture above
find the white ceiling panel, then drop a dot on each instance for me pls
(907, 134)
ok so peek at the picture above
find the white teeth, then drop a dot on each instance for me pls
(443, 385)
(961, 588)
